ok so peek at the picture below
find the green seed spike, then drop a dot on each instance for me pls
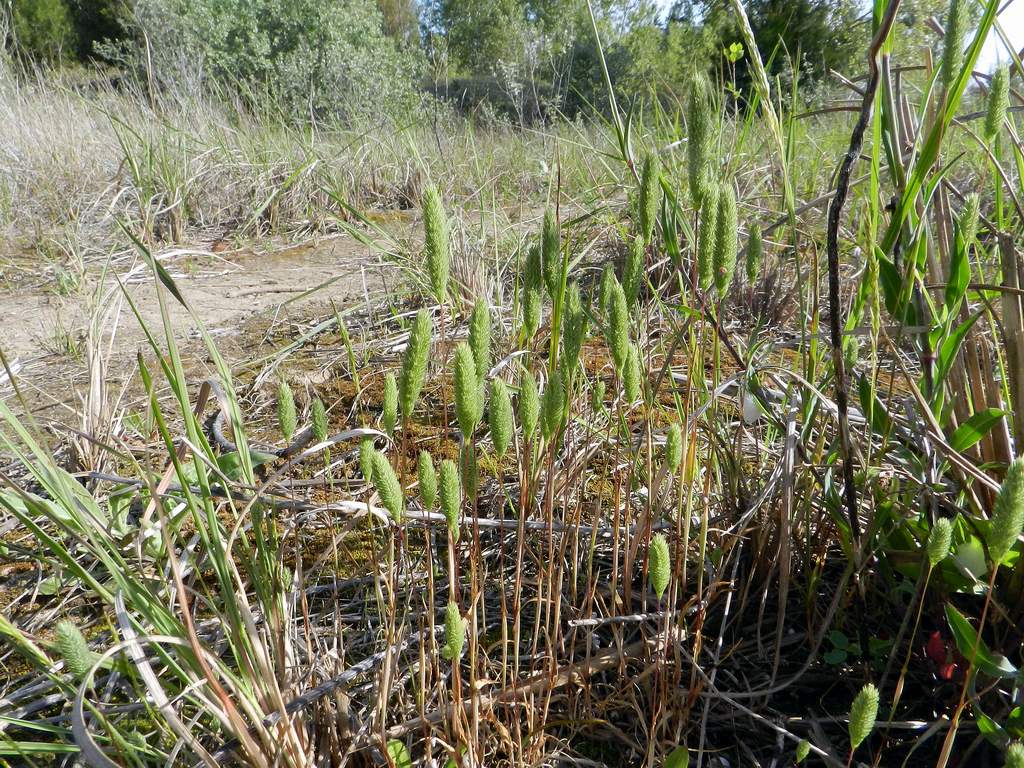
(698, 144)
(605, 290)
(1007, 513)
(532, 301)
(939, 539)
(366, 459)
(618, 326)
(468, 406)
(318, 416)
(389, 408)
(673, 447)
(469, 470)
(551, 253)
(451, 496)
(725, 240)
(74, 650)
(597, 396)
(529, 404)
(1014, 756)
(650, 181)
(706, 234)
(480, 339)
(414, 364)
(862, 715)
(998, 102)
(574, 330)
(534, 273)
(803, 749)
(286, 418)
(553, 406)
(660, 565)
(500, 417)
(632, 375)
(385, 481)
(427, 476)
(454, 633)
(435, 226)
(633, 271)
(755, 253)
(957, 21)
(968, 220)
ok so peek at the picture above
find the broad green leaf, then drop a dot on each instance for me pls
(966, 637)
(678, 758)
(231, 464)
(975, 428)
(398, 754)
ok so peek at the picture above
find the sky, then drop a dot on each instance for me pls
(1011, 19)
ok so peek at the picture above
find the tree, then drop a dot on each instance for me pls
(42, 30)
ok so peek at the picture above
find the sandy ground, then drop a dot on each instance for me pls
(242, 297)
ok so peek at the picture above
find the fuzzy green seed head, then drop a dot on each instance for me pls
(726, 227)
(451, 495)
(454, 633)
(480, 339)
(618, 326)
(73, 649)
(533, 274)
(469, 470)
(532, 304)
(939, 539)
(553, 406)
(286, 417)
(633, 271)
(673, 447)
(968, 221)
(755, 254)
(998, 102)
(649, 196)
(427, 476)
(500, 417)
(1008, 513)
(551, 253)
(862, 715)
(660, 565)
(385, 482)
(574, 330)
(366, 459)
(706, 237)
(318, 417)
(699, 122)
(468, 405)
(1014, 756)
(389, 407)
(435, 227)
(414, 363)
(597, 396)
(957, 22)
(803, 749)
(529, 404)
(632, 376)
(604, 294)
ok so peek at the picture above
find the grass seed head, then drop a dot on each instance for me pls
(529, 404)
(673, 447)
(553, 406)
(73, 649)
(649, 197)
(414, 364)
(939, 539)
(618, 326)
(755, 254)
(725, 240)
(1014, 756)
(574, 330)
(468, 405)
(803, 749)
(500, 417)
(998, 102)
(366, 459)
(385, 482)
(533, 273)
(660, 566)
(532, 304)
(551, 253)
(597, 396)
(480, 338)
(451, 496)
(318, 417)
(389, 407)
(287, 421)
(968, 221)
(633, 270)
(454, 633)
(435, 226)
(862, 715)
(632, 376)
(706, 234)
(957, 22)
(427, 476)
(698, 146)
(1007, 513)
